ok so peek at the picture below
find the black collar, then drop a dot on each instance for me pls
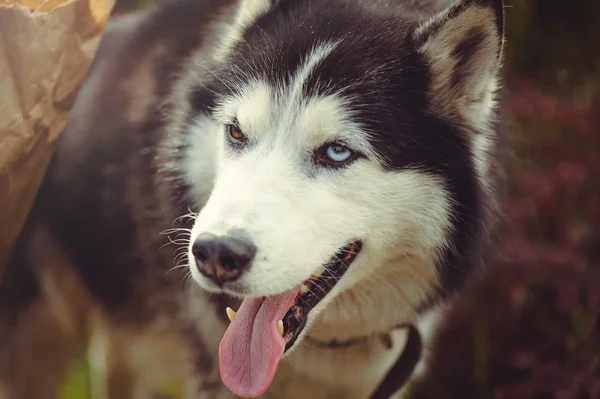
(400, 371)
(403, 367)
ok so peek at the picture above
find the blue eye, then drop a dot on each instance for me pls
(335, 155)
(338, 153)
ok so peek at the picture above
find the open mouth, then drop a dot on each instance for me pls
(313, 290)
(263, 329)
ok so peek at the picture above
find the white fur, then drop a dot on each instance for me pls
(428, 325)
(298, 215)
(204, 138)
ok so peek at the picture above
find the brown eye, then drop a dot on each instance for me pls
(235, 134)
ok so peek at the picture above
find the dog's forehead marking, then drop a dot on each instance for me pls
(264, 108)
(318, 54)
(259, 103)
(255, 107)
(329, 118)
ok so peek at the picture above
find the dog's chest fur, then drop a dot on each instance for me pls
(333, 373)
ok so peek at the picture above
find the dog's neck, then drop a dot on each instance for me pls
(334, 330)
(389, 358)
(384, 337)
(375, 307)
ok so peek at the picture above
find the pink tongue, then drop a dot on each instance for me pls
(252, 346)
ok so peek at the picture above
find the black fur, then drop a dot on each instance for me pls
(100, 196)
(19, 286)
(376, 50)
(106, 199)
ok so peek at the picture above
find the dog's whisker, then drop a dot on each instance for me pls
(191, 213)
(175, 268)
(175, 229)
(315, 282)
(334, 275)
(180, 258)
(187, 281)
(179, 241)
(335, 278)
(169, 242)
(302, 300)
(213, 74)
(180, 249)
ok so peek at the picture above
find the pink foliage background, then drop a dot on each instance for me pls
(531, 328)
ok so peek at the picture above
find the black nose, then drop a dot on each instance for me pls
(223, 258)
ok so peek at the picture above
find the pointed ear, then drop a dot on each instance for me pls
(462, 47)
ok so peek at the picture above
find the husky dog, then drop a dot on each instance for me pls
(327, 168)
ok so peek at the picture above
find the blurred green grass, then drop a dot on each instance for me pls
(77, 385)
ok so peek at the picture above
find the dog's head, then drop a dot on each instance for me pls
(351, 149)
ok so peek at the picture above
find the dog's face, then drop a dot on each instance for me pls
(348, 147)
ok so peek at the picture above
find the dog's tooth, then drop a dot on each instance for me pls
(303, 289)
(318, 273)
(230, 313)
(280, 326)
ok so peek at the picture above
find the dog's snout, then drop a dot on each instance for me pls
(223, 258)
